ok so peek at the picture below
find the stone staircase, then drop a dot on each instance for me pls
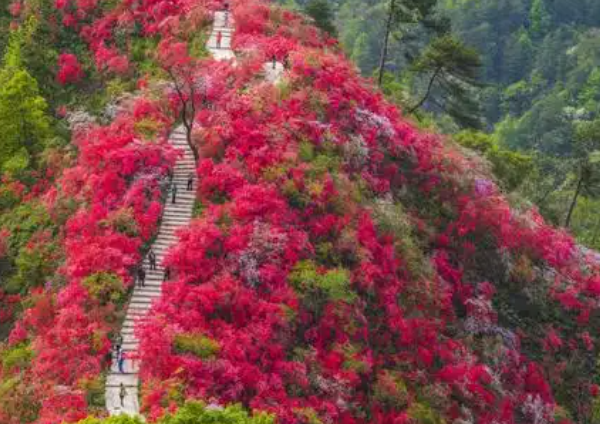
(222, 25)
(175, 215)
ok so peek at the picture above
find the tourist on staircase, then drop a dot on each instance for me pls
(152, 260)
(174, 193)
(141, 276)
(122, 394)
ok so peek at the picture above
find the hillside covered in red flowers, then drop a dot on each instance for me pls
(343, 266)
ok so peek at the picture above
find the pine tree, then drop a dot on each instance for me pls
(320, 11)
(360, 51)
(452, 68)
(401, 12)
(540, 18)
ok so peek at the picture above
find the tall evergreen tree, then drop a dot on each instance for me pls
(540, 18)
(321, 12)
(452, 69)
(587, 163)
(401, 12)
(360, 51)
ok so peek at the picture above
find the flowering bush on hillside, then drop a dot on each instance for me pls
(346, 267)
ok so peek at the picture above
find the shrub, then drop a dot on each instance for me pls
(196, 344)
(15, 358)
(198, 413)
(333, 285)
(105, 287)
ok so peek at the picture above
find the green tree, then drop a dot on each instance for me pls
(198, 413)
(401, 12)
(320, 11)
(540, 18)
(453, 68)
(360, 51)
(25, 124)
(587, 163)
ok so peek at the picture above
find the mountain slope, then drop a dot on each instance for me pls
(342, 265)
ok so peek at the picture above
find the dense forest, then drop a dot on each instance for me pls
(377, 193)
(532, 92)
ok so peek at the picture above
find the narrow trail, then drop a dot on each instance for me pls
(176, 215)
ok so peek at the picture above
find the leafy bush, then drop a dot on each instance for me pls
(105, 287)
(196, 344)
(16, 358)
(199, 413)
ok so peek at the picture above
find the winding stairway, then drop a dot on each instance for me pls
(175, 216)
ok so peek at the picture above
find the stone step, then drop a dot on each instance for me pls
(149, 295)
(141, 308)
(141, 303)
(115, 380)
(130, 367)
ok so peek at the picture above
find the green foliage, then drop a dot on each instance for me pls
(105, 287)
(16, 357)
(332, 285)
(199, 413)
(391, 390)
(34, 264)
(391, 219)
(197, 45)
(94, 390)
(22, 222)
(510, 167)
(320, 11)
(454, 68)
(424, 414)
(25, 125)
(540, 18)
(120, 419)
(196, 344)
(123, 221)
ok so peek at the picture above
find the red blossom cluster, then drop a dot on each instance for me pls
(69, 69)
(116, 187)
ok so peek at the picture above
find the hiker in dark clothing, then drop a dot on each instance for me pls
(141, 275)
(152, 260)
(117, 349)
(190, 181)
(226, 6)
(174, 193)
(286, 62)
(274, 59)
(122, 394)
(167, 275)
(226, 19)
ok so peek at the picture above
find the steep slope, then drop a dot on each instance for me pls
(342, 267)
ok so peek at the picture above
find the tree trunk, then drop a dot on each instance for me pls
(596, 229)
(429, 87)
(386, 40)
(574, 201)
